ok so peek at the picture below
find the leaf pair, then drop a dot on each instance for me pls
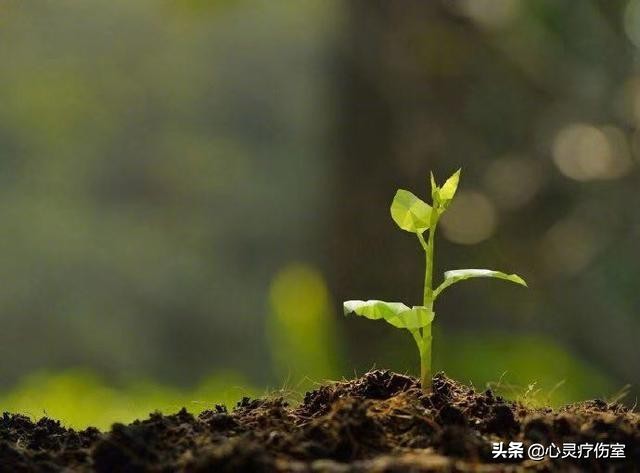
(412, 214)
(442, 196)
(396, 313)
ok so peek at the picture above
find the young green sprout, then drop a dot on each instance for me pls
(416, 216)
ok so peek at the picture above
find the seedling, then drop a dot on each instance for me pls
(416, 216)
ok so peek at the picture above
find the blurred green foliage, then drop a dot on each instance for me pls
(304, 340)
(79, 398)
(141, 144)
(529, 368)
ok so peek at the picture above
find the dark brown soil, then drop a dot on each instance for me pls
(381, 422)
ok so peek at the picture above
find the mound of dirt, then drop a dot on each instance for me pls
(381, 422)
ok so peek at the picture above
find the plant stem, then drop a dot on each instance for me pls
(425, 345)
(428, 276)
(425, 359)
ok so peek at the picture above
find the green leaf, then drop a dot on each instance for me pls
(409, 212)
(412, 319)
(396, 313)
(374, 309)
(452, 277)
(448, 189)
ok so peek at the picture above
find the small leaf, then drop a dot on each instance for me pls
(409, 212)
(452, 277)
(448, 189)
(412, 319)
(434, 190)
(396, 313)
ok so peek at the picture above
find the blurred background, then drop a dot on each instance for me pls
(189, 189)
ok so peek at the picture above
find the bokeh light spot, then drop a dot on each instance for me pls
(568, 247)
(620, 145)
(491, 13)
(584, 152)
(512, 181)
(632, 22)
(470, 219)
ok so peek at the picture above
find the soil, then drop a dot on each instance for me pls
(381, 422)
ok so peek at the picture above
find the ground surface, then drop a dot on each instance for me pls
(379, 422)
